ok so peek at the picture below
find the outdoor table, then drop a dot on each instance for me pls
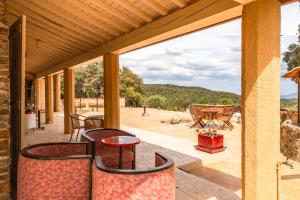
(94, 121)
(211, 113)
(121, 141)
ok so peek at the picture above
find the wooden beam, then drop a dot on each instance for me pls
(49, 99)
(180, 3)
(57, 102)
(69, 96)
(99, 17)
(111, 91)
(156, 6)
(55, 28)
(197, 16)
(85, 21)
(244, 1)
(111, 10)
(136, 11)
(61, 20)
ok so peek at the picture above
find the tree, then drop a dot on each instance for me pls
(157, 101)
(292, 56)
(94, 80)
(131, 87)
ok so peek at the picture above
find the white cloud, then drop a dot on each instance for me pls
(210, 58)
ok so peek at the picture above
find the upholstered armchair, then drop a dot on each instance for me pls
(54, 171)
(109, 154)
(155, 183)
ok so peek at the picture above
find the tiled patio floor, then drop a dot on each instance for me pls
(198, 175)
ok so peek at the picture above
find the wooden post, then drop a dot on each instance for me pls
(49, 99)
(37, 98)
(111, 91)
(69, 95)
(260, 99)
(57, 102)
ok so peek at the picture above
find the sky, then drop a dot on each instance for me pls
(210, 58)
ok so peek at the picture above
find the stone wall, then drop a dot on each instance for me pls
(4, 104)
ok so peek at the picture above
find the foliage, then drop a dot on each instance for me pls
(131, 87)
(89, 82)
(180, 97)
(156, 101)
(226, 101)
(208, 132)
(292, 56)
(133, 98)
(289, 104)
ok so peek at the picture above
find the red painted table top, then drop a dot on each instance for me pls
(121, 141)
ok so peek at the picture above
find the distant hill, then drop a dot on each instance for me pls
(289, 96)
(179, 97)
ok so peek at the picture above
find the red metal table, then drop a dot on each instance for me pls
(121, 141)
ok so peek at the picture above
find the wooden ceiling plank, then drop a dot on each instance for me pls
(156, 6)
(38, 55)
(46, 36)
(47, 48)
(98, 15)
(199, 15)
(179, 3)
(63, 21)
(31, 16)
(109, 9)
(127, 5)
(60, 49)
(84, 19)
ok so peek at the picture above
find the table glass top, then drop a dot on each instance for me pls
(121, 141)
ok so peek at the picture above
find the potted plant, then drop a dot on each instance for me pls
(209, 140)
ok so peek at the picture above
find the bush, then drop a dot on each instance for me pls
(226, 101)
(202, 100)
(156, 101)
(133, 99)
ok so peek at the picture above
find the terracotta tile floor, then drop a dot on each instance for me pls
(199, 175)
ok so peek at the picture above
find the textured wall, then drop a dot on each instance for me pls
(4, 104)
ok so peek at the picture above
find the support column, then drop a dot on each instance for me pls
(49, 99)
(260, 99)
(37, 99)
(69, 96)
(111, 91)
(57, 100)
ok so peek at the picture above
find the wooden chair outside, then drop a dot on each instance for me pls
(75, 118)
(225, 117)
(197, 114)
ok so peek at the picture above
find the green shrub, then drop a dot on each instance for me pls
(226, 101)
(156, 101)
(133, 98)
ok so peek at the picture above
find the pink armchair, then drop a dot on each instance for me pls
(54, 171)
(155, 183)
(109, 154)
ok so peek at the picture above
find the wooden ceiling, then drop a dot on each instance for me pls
(64, 33)
(61, 29)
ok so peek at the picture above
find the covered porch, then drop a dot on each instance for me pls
(57, 36)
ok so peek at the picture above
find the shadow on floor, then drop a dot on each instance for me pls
(218, 177)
